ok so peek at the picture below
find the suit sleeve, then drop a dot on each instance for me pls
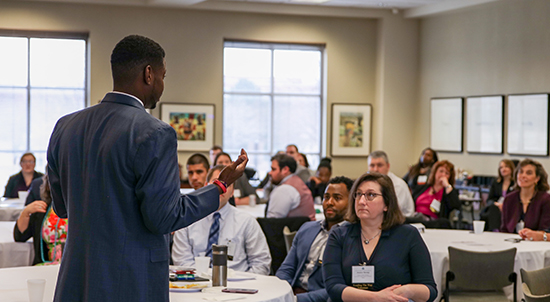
(162, 206)
(288, 269)
(58, 202)
(319, 295)
(10, 186)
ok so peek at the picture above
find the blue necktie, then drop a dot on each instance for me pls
(214, 234)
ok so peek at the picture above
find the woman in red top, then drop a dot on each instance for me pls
(437, 198)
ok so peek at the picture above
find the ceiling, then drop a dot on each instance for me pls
(409, 8)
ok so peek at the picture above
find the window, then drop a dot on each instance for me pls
(272, 98)
(44, 78)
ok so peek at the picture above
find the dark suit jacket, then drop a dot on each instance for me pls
(14, 181)
(449, 201)
(113, 172)
(295, 261)
(536, 218)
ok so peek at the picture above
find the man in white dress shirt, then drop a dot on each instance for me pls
(238, 230)
(378, 162)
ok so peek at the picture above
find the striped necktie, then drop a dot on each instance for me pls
(214, 234)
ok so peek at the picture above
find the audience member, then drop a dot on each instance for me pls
(503, 185)
(378, 162)
(241, 185)
(301, 171)
(290, 197)
(418, 173)
(214, 151)
(528, 206)
(318, 183)
(247, 246)
(113, 172)
(39, 221)
(437, 198)
(393, 256)
(302, 160)
(197, 168)
(22, 180)
(302, 266)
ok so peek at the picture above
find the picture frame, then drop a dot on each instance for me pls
(447, 124)
(351, 130)
(527, 131)
(485, 124)
(193, 123)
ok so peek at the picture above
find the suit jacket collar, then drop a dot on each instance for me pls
(122, 98)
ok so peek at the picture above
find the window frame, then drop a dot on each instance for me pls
(272, 46)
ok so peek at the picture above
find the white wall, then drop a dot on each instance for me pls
(369, 60)
(497, 48)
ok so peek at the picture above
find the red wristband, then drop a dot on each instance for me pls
(221, 184)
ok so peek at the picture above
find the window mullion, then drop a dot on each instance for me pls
(28, 94)
(272, 99)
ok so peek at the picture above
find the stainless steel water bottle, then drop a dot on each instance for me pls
(219, 265)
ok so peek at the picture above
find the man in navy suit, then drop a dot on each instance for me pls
(114, 173)
(302, 265)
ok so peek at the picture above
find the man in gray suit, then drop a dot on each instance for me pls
(114, 173)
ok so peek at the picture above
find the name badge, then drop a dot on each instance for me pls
(422, 179)
(362, 274)
(230, 250)
(435, 206)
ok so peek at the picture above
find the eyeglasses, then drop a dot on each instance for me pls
(370, 196)
(27, 161)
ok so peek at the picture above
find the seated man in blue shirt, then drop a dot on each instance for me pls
(302, 265)
(247, 247)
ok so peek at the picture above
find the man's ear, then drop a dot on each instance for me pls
(148, 75)
(286, 170)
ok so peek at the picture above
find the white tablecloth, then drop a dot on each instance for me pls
(13, 253)
(13, 286)
(10, 209)
(259, 210)
(530, 255)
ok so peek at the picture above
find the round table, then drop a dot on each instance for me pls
(10, 208)
(530, 255)
(13, 287)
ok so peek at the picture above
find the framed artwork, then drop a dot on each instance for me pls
(446, 124)
(351, 129)
(485, 124)
(528, 124)
(194, 124)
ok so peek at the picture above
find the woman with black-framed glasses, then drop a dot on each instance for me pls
(375, 257)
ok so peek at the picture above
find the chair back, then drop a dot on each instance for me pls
(481, 270)
(289, 237)
(529, 297)
(538, 281)
(273, 230)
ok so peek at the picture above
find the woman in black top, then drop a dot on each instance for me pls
(30, 221)
(22, 180)
(503, 185)
(418, 173)
(376, 240)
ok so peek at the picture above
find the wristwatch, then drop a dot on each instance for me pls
(544, 237)
(449, 187)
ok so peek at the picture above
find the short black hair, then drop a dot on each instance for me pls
(342, 180)
(198, 158)
(285, 161)
(132, 54)
(325, 162)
